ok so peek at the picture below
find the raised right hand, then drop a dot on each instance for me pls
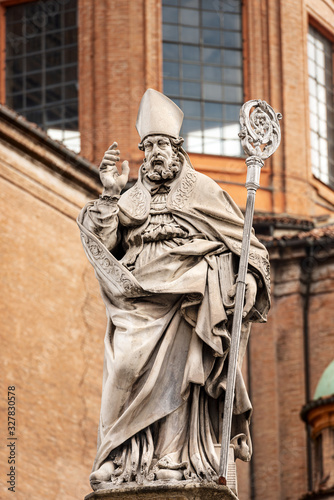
(112, 181)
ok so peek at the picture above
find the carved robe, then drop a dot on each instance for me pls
(165, 258)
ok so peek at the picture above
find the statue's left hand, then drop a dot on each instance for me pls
(250, 294)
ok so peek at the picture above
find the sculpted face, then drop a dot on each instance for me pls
(161, 162)
(157, 145)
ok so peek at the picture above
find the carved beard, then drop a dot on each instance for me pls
(160, 169)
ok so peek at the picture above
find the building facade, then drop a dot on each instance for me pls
(78, 70)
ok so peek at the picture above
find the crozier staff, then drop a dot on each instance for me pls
(165, 254)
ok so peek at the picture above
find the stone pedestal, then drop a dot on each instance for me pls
(190, 491)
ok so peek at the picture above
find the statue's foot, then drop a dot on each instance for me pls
(168, 463)
(167, 469)
(103, 473)
(168, 474)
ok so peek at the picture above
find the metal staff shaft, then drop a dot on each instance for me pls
(259, 127)
(254, 165)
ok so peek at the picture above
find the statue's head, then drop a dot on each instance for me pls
(159, 122)
(162, 160)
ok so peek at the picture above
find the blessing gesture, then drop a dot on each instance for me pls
(112, 181)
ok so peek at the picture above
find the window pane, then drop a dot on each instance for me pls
(194, 144)
(14, 40)
(232, 75)
(212, 129)
(232, 58)
(188, 16)
(54, 114)
(191, 108)
(71, 18)
(53, 17)
(34, 116)
(70, 55)
(52, 77)
(170, 51)
(320, 57)
(231, 148)
(190, 53)
(232, 6)
(232, 94)
(171, 87)
(14, 84)
(191, 89)
(170, 14)
(210, 19)
(15, 101)
(314, 122)
(190, 3)
(212, 92)
(193, 126)
(171, 69)
(34, 98)
(311, 68)
(34, 44)
(13, 15)
(212, 73)
(232, 39)
(71, 111)
(231, 131)
(320, 75)
(232, 22)
(322, 128)
(312, 87)
(231, 112)
(71, 91)
(310, 48)
(14, 67)
(212, 110)
(53, 58)
(191, 71)
(212, 146)
(54, 40)
(34, 63)
(211, 37)
(53, 94)
(211, 55)
(189, 35)
(170, 32)
(211, 5)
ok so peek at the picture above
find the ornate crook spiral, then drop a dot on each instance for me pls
(259, 127)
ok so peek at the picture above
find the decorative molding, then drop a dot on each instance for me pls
(184, 190)
(110, 267)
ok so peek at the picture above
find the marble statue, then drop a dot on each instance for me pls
(165, 253)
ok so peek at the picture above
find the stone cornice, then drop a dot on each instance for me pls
(33, 141)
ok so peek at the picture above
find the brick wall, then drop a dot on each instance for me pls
(52, 321)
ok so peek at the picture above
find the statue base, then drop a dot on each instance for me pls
(167, 491)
